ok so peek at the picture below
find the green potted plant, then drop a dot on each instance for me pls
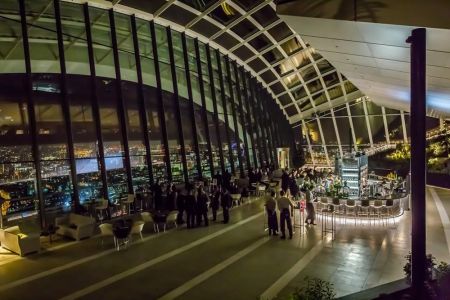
(314, 289)
(430, 264)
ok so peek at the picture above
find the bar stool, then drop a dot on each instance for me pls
(389, 209)
(376, 209)
(337, 207)
(328, 216)
(323, 202)
(364, 210)
(101, 206)
(350, 206)
(128, 201)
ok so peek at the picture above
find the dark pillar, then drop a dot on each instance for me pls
(214, 100)
(66, 105)
(220, 60)
(242, 118)
(246, 81)
(142, 113)
(233, 111)
(95, 101)
(418, 166)
(121, 104)
(161, 112)
(204, 110)
(191, 105)
(31, 113)
(176, 99)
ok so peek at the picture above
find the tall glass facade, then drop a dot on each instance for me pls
(95, 103)
(360, 124)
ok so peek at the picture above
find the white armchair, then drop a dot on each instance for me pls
(75, 226)
(171, 219)
(148, 218)
(106, 229)
(19, 242)
(136, 229)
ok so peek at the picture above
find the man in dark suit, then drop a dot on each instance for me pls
(226, 204)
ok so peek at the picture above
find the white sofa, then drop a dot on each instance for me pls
(17, 241)
(75, 226)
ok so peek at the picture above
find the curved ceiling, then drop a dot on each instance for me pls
(249, 31)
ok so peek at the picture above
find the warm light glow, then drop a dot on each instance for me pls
(228, 10)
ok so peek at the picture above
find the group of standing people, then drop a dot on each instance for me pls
(195, 203)
(296, 185)
(286, 210)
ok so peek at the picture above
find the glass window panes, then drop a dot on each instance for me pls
(331, 79)
(335, 92)
(320, 99)
(300, 59)
(178, 15)
(280, 31)
(314, 86)
(11, 47)
(257, 65)
(260, 42)
(324, 66)
(313, 132)
(226, 40)
(101, 38)
(291, 81)
(244, 28)
(273, 55)
(205, 28)
(329, 133)
(285, 99)
(125, 47)
(308, 73)
(349, 87)
(277, 88)
(199, 5)
(299, 93)
(239, 104)
(291, 46)
(291, 110)
(265, 15)
(224, 14)
(44, 54)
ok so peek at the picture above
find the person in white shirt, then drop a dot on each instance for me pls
(285, 207)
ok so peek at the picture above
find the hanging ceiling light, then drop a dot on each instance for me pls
(227, 9)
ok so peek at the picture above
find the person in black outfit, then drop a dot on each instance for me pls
(172, 196)
(271, 205)
(157, 194)
(226, 203)
(218, 178)
(215, 201)
(252, 176)
(181, 198)
(285, 181)
(286, 212)
(190, 207)
(259, 175)
(202, 206)
(293, 187)
(226, 179)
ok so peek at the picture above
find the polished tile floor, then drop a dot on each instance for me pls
(233, 261)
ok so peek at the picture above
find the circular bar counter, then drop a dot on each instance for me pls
(381, 209)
